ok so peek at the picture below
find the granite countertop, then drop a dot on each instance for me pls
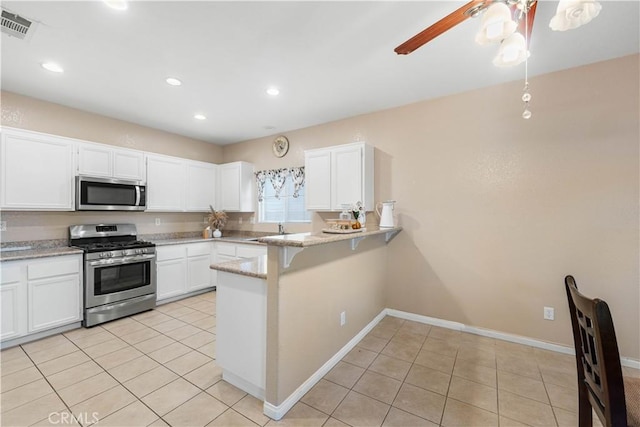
(252, 267)
(303, 240)
(9, 255)
(250, 238)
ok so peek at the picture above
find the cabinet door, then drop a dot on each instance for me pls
(13, 302)
(171, 277)
(346, 176)
(199, 273)
(165, 184)
(236, 183)
(128, 164)
(95, 160)
(201, 184)
(317, 166)
(37, 172)
(54, 301)
(229, 187)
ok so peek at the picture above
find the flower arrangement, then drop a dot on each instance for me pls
(217, 219)
(356, 210)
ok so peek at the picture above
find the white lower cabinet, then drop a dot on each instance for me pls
(54, 302)
(182, 269)
(170, 276)
(199, 258)
(226, 251)
(13, 301)
(38, 295)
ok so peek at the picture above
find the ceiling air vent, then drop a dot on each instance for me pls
(16, 25)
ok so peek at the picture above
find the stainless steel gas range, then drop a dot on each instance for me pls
(119, 271)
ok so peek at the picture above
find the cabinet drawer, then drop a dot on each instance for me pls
(226, 249)
(9, 273)
(197, 249)
(250, 251)
(53, 268)
(165, 253)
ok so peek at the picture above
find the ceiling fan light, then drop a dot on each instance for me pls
(496, 25)
(573, 14)
(513, 51)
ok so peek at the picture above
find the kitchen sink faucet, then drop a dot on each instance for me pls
(280, 228)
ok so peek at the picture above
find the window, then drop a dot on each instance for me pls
(285, 209)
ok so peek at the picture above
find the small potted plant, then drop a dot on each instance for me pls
(357, 211)
(217, 220)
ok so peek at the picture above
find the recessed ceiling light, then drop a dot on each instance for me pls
(117, 4)
(273, 91)
(53, 67)
(173, 81)
(200, 117)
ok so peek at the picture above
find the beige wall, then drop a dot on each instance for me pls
(497, 210)
(322, 282)
(33, 114)
(28, 113)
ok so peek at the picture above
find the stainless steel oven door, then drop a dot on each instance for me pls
(117, 279)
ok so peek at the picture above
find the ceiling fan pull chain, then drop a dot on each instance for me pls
(526, 96)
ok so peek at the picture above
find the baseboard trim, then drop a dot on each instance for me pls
(276, 412)
(625, 361)
(279, 411)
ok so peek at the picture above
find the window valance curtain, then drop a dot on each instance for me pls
(278, 177)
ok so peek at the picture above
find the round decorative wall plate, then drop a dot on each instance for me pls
(280, 146)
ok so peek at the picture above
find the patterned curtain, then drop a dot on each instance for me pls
(278, 178)
(297, 175)
(261, 179)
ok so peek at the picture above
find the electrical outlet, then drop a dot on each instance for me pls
(549, 313)
(239, 220)
(205, 220)
(158, 221)
(343, 318)
(3, 225)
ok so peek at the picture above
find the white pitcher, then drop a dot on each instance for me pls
(386, 213)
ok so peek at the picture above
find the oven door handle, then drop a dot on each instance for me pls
(137, 195)
(120, 261)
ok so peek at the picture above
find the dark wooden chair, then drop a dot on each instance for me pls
(601, 386)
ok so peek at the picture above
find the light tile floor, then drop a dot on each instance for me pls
(158, 368)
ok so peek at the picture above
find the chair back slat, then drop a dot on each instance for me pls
(597, 359)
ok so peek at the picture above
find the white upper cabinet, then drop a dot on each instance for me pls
(236, 184)
(317, 171)
(339, 175)
(201, 186)
(166, 183)
(179, 185)
(37, 171)
(108, 162)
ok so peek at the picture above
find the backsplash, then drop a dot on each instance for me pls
(36, 226)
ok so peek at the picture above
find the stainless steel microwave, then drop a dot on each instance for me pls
(104, 194)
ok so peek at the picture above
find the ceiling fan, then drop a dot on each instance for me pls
(517, 8)
(509, 23)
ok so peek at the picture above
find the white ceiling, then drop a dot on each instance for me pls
(331, 60)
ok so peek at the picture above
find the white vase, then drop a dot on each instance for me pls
(217, 233)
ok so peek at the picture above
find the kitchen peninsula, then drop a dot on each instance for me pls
(285, 319)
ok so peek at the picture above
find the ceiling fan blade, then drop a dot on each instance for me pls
(531, 14)
(439, 27)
